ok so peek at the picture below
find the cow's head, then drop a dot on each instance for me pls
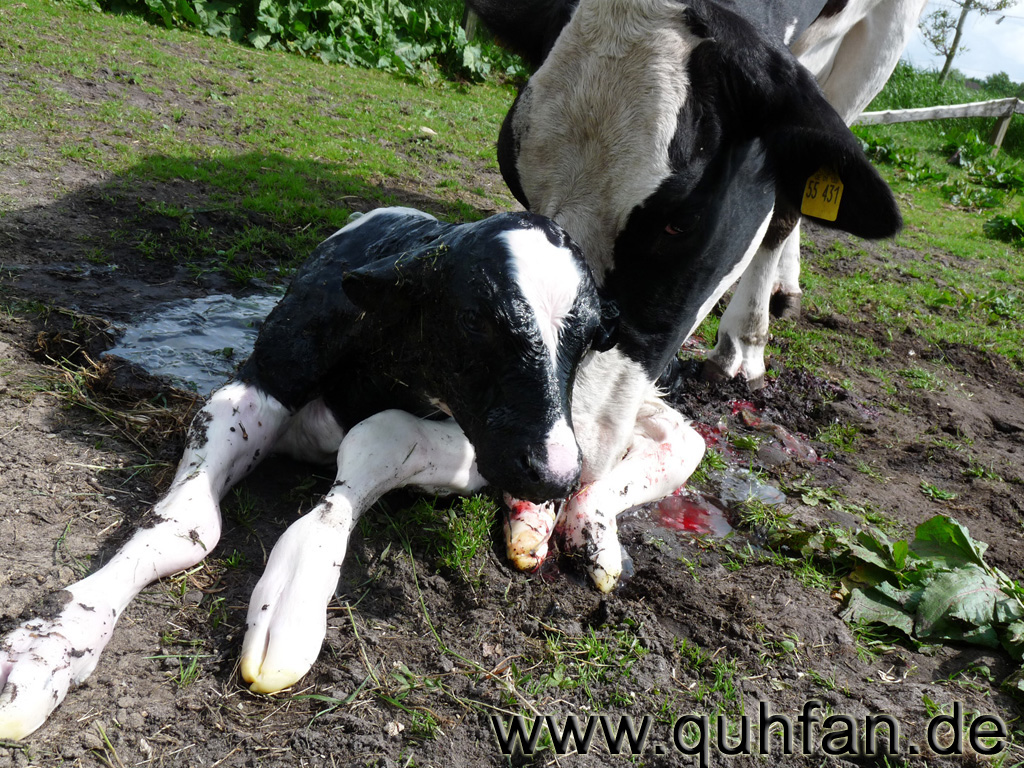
(660, 134)
(502, 311)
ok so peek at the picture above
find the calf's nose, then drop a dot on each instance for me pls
(540, 482)
(551, 469)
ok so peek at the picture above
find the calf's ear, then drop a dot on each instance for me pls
(393, 282)
(607, 333)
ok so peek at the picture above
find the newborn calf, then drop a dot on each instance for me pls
(412, 352)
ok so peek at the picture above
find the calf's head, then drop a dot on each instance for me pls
(499, 314)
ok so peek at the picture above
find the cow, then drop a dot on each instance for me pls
(408, 351)
(679, 142)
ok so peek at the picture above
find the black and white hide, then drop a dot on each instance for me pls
(678, 142)
(410, 352)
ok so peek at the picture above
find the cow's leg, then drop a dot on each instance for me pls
(44, 657)
(787, 296)
(743, 329)
(287, 621)
(665, 452)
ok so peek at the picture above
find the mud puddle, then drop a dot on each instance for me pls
(196, 343)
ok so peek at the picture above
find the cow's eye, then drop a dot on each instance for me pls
(671, 229)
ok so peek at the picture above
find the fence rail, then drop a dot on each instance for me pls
(1003, 109)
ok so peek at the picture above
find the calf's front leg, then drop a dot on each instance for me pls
(41, 659)
(287, 619)
(665, 452)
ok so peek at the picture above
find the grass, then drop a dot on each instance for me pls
(453, 534)
(268, 138)
(593, 661)
(942, 279)
(290, 146)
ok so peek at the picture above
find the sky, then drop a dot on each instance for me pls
(991, 47)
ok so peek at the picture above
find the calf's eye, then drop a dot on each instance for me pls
(473, 322)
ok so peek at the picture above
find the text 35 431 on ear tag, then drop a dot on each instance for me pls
(822, 194)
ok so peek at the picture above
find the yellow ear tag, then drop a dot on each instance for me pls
(822, 194)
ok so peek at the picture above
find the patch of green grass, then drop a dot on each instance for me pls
(594, 660)
(921, 378)
(840, 436)
(454, 534)
(935, 493)
(278, 146)
(748, 443)
(712, 461)
(980, 471)
(754, 513)
(243, 509)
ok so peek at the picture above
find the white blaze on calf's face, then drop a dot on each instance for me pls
(549, 278)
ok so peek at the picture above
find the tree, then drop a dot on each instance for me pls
(938, 25)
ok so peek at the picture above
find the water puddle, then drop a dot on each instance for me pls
(738, 485)
(197, 343)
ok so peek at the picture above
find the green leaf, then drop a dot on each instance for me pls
(1015, 683)
(900, 550)
(957, 604)
(948, 544)
(259, 40)
(1013, 640)
(878, 605)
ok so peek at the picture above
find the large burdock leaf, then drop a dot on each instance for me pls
(947, 544)
(1013, 639)
(964, 604)
(881, 604)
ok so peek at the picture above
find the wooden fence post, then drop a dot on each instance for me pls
(1002, 125)
(1001, 109)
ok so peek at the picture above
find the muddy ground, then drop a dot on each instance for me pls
(417, 660)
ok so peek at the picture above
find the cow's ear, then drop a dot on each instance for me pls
(762, 91)
(528, 27)
(825, 175)
(393, 282)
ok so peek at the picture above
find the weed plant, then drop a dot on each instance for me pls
(415, 37)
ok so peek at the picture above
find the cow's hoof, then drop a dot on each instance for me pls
(785, 305)
(712, 371)
(528, 528)
(43, 658)
(755, 383)
(287, 619)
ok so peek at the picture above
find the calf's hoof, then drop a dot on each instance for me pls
(287, 619)
(43, 658)
(605, 575)
(528, 528)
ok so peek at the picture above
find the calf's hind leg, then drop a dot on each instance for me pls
(287, 619)
(41, 659)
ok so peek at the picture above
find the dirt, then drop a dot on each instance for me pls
(417, 660)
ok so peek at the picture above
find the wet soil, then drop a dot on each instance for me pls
(417, 660)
